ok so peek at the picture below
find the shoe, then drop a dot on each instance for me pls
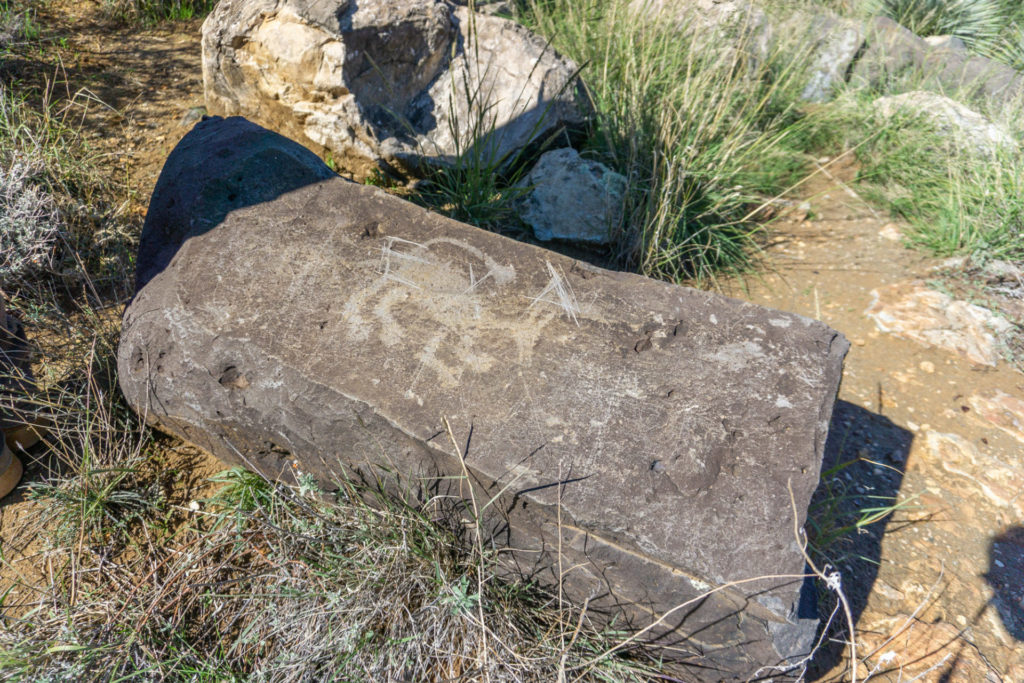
(23, 437)
(10, 471)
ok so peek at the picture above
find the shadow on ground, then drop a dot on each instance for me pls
(1006, 577)
(862, 471)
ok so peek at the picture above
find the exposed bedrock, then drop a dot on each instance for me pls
(336, 327)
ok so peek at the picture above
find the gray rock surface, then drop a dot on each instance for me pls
(381, 84)
(892, 53)
(967, 130)
(573, 198)
(260, 167)
(338, 328)
(835, 44)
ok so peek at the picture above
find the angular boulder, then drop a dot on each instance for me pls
(635, 440)
(388, 85)
(835, 43)
(572, 198)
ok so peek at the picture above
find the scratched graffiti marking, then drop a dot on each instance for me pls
(452, 303)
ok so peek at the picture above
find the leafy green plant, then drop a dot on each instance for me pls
(838, 513)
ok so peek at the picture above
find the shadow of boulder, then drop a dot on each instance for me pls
(862, 471)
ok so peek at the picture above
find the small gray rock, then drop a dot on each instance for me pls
(573, 199)
(947, 43)
(192, 116)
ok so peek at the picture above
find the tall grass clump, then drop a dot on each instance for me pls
(991, 28)
(263, 582)
(703, 132)
(17, 25)
(973, 21)
(957, 200)
(1009, 45)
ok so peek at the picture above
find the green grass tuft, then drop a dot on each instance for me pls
(703, 134)
(956, 202)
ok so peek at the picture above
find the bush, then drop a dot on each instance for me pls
(30, 224)
(54, 203)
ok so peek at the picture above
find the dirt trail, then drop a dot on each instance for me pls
(943, 577)
(949, 583)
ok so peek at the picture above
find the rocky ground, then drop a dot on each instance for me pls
(931, 413)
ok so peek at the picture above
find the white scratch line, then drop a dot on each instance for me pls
(388, 250)
(565, 298)
(472, 282)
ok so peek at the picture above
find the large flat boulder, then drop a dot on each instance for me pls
(396, 85)
(650, 433)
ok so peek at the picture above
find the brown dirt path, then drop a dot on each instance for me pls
(937, 587)
(948, 589)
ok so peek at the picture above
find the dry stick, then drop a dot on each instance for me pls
(561, 576)
(479, 546)
(81, 529)
(831, 580)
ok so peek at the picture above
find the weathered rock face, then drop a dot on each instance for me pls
(1003, 411)
(385, 84)
(339, 327)
(967, 130)
(836, 42)
(573, 198)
